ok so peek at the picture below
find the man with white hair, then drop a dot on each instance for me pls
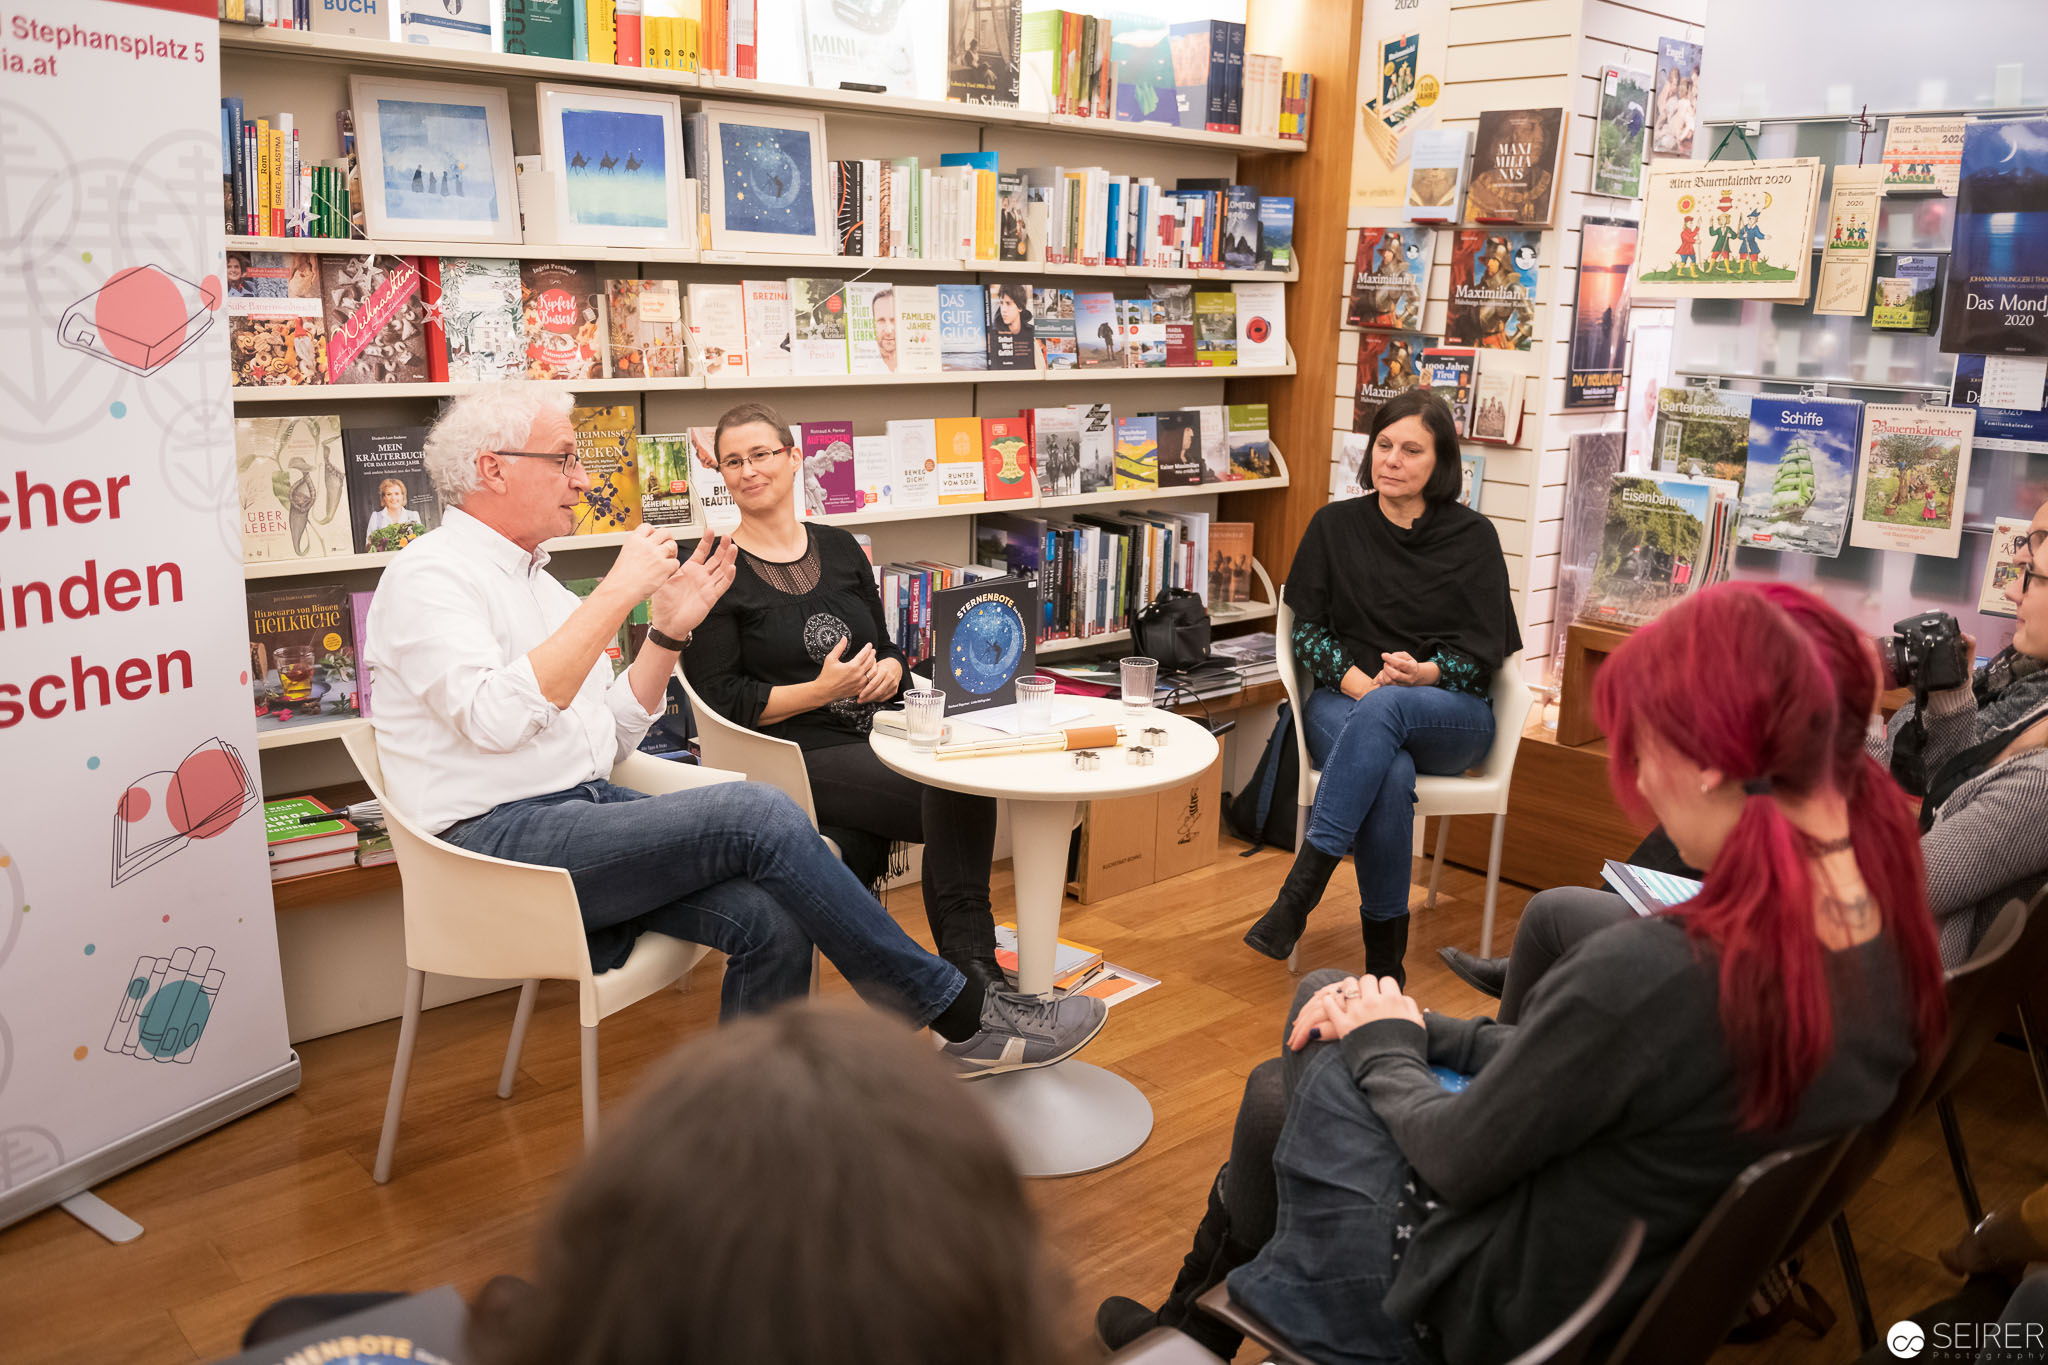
(498, 722)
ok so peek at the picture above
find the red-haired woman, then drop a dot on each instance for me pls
(1390, 1218)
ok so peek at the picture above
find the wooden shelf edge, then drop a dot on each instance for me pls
(341, 883)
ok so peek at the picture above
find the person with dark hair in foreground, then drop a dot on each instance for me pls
(1986, 756)
(808, 1185)
(1371, 1214)
(1402, 612)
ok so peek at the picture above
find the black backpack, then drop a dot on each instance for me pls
(1264, 812)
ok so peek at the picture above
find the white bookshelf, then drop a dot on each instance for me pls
(322, 393)
(1220, 614)
(308, 732)
(436, 61)
(880, 516)
(824, 266)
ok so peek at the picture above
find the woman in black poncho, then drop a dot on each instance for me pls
(1402, 612)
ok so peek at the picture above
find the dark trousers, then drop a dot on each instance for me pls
(1552, 924)
(854, 790)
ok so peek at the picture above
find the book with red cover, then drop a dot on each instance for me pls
(437, 333)
(1006, 458)
(375, 318)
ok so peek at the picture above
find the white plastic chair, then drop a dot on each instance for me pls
(488, 918)
(778, 763)
(1483, 791)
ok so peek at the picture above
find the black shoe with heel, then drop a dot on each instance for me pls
(1487, 975)
(1386, 944)
(1281, 927)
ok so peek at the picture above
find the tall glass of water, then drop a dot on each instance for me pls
(924, 713)
(1139, 676)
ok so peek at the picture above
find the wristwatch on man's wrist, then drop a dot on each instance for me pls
(657, 638)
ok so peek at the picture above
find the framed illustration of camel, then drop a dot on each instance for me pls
(616, 158)
(436, 161)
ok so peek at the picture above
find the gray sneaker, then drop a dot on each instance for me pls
(1022, 1031)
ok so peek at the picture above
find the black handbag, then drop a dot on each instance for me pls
(1174, 629)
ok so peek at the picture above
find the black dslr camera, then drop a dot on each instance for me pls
(1926, 653)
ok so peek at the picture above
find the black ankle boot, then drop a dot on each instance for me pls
(1386, 943)
(1281, 927)
(1487, 975)
(1120, 1321)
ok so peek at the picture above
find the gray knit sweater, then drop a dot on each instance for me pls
(1989, 840)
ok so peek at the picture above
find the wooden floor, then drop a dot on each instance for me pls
(282, 1202)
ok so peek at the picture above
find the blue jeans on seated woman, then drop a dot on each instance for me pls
(735, 867)
(1369, 751)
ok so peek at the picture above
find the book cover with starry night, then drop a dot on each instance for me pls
(984, 634)
(766, 182)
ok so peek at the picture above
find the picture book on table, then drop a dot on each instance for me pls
(391, 496)
(1011, 344)
(1801, 473)
(1137, 452)
(1702, 431)
(1907, 292)
(1436, 175)
(276, 332)
(562, 316)
(1996, 302)
(1006, 458)
(1056, 441)
(2004, 562)
(1052, 321)
(1098, 447)
(1654, 548)
(1388, 363)
(375, 320)
(711, 324)
(827, 481)
(1912, 478)
(1390, 277)
(1515, 165)
(606, 445)
(1622, 141)
(302, 655)
(984, 635)
(291, 473)
(1179, 443)
(1923, 155)
(818, 325)
(917, 328)
(963, 327)
(1677, 108)
(1597, 365)
(1096, 336)
(480, 320)
(1740, 229)
(1493, 289)
(644, 329)
(665, 494)
(2015, 429)
(766, 304)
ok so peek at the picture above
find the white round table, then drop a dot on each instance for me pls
(1073, 1117)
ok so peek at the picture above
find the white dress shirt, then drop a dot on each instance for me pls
(461, 723)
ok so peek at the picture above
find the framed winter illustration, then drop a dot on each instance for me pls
(436, 161)
(767, 179)
(617, 162)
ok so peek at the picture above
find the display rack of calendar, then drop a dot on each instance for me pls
(1787, 349)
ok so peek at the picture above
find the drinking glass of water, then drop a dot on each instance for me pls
(1139, 675)
(924, 713)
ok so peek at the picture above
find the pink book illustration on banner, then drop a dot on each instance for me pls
(829, 485)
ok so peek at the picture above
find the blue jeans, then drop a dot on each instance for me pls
(1369, 751)
(1322, 1277)
(735, 867)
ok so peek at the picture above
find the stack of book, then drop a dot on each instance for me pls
(1256, 658)
(1667, 535)
(306, 836)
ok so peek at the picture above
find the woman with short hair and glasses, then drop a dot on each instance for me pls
(798, 648)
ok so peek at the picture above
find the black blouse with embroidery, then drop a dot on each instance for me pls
(1362, 586)
(774, 627)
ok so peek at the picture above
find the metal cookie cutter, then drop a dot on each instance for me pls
(1139, 756)
(1087, 760)
(1153, 737)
